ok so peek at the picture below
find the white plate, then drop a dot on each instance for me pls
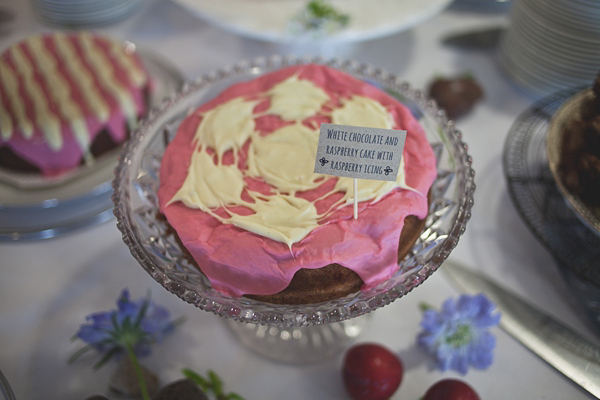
(268, 19)
(44, 212)
(543, 55)
(87, 13)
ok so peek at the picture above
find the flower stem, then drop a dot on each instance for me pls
(138, 371)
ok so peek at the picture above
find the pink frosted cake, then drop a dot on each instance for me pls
(238, 189)
(65, 99)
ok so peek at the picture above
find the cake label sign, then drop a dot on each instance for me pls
(359, 152)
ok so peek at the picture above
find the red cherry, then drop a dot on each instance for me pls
(371, 372)
(450, 389)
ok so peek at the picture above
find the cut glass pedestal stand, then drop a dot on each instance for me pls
(303, 333)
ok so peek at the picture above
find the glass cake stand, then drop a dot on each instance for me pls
(291, 333)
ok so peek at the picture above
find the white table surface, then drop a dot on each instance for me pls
(47, 287)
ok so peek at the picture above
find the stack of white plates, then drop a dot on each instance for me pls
(552, 44)
(83, 13)
(492, 6)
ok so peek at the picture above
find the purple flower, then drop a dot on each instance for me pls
(133, 326)
(457, 336)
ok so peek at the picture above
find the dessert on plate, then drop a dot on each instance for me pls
(579, 161)
(237, 188)
(65, 100)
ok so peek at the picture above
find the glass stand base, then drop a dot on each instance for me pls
(299, 345)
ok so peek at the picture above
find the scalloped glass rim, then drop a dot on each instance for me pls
(136, 182)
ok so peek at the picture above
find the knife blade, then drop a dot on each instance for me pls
(561, 347)
(480, 39)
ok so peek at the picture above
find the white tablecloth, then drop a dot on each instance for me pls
(47, 287)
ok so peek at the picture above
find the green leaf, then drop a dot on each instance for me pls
(194, 376)
(114, 321)
(217, 383)
(88, 347)
(322, 10)
(80, 352)
(213, 384)
(107, 356)
(142, 313)
(178, 321)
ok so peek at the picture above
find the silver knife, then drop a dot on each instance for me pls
(564, 349)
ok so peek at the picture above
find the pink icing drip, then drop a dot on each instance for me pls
(239, 262)
(36, 150)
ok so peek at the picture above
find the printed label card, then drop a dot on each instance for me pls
(359, 152)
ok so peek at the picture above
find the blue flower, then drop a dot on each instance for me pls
(457, 336)
(133, 327)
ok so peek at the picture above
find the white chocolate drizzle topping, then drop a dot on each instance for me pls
(283, 159)
(296, 99)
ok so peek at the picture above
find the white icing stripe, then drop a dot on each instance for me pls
(6, 123)
(60, 91)
(278, 159)
(105, 71)
(82, 77)
(136, 75)
(43, 116)
(11, 84)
